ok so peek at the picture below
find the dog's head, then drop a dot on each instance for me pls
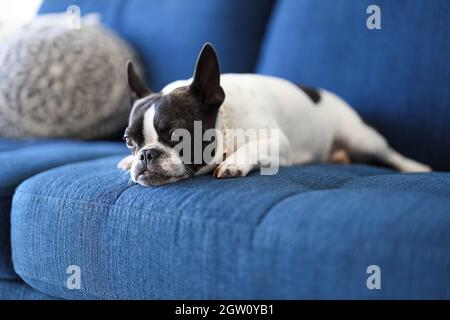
(151, 135)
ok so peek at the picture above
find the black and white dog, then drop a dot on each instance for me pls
(313, 125)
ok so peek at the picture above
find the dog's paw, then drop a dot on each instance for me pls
(125, 163)
(227, 170)
(340, 156)
(411, 166)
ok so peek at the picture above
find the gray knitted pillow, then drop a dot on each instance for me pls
(63, 83)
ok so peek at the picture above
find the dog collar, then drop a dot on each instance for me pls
(225, 126)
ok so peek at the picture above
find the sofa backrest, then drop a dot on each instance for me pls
(397, 77)
(169, 34)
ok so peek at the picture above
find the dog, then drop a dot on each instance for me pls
(314, 125)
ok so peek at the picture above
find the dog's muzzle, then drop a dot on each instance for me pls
(154, 166)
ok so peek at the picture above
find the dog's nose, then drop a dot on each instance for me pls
(150, 154)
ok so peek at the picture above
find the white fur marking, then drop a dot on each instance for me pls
(150, 134)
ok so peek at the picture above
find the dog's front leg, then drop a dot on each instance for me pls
(126, 163)
(267, 154)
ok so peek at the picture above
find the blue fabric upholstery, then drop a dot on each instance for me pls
(20, 160)
(309, 232)
(169, 34)
(18, 290)
(397, 77)
(9, 144)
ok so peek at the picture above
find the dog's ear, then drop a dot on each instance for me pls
(207, 77)
(135, 83)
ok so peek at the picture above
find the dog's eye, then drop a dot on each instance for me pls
(129, 142)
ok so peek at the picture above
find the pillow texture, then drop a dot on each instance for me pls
(61, 82)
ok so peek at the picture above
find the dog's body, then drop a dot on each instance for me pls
(313, 124)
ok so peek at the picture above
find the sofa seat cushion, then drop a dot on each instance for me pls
(18, 290)
(21, 159)
(308, 232)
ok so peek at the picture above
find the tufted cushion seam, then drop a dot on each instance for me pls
(184, 218)
(34, 197)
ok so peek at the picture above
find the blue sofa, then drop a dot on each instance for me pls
(310, 232)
